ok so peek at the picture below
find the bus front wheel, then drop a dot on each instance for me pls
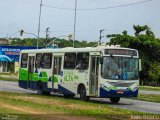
(114, 100)
(83, 93)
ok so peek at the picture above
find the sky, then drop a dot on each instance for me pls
(23, 14)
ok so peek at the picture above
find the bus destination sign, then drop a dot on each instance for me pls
(120, 52)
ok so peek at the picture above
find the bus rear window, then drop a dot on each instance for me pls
(38, 60)
(47, 61)
(24, 60)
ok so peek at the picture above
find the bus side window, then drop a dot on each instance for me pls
(82, 61)
(24, 60)
(38, 60)
(47, 60)
(70, 60)
(57, 65)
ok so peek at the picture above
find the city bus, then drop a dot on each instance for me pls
(102, 71)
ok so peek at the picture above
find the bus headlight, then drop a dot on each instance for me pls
(107, 86)
(134, 87)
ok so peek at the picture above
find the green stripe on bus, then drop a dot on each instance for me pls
(55, 79)
(23, 74)
(44, 74)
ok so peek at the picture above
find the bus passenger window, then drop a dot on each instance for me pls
(38, 60)
(82, 61)
(70, 60)
(24, 60)
(47, 60)
(57, 65)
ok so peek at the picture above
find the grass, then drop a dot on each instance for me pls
(31, 104)
(149, 97)
(8, 79)
(9, 76)
(149, 88)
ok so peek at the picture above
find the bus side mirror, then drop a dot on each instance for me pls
(140, 65)
(101, 60)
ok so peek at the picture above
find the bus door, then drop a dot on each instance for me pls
(94, 75)
(56, 71)
(30, 71)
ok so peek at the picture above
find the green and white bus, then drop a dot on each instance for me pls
(102, 71)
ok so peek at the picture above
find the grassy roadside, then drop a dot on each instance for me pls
(29, 104)
(3, 78)
(149, 97)
(149, 88)
(9, 76)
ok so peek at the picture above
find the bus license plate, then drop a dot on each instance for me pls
(119, 92)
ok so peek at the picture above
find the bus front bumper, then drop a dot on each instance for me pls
(117, 93)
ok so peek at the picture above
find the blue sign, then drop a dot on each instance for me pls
(125, 76)
(11, 53)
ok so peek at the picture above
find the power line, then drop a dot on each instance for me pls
(103, 8)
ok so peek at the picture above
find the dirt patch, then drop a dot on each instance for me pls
(66, 117)
(22, 109)
(42, 114)
(52, 102)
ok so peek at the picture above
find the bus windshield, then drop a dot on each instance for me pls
(120, 68)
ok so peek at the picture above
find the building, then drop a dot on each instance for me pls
(9, 57)
(4, 41)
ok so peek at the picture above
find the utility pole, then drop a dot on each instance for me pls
(100, 37)
(47, 34)
(75, 16)
(39, 24)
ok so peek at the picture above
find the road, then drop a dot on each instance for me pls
(12, 87)
(149, 92)
(142, 106)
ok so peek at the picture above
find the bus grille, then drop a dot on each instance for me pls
(116, 84)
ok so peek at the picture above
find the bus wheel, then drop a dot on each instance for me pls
(46, 93)
(114, 100)
(83, 93)
(40, 90)
(68, 96)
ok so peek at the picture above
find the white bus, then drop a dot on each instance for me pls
(102, 71)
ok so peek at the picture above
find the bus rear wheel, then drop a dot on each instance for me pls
(114, 100)
(40, 90)
(83, 93)
(46, 93)
(68, 96)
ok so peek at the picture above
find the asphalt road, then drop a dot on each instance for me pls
(13, 87)
(142, 106)
(149, 92)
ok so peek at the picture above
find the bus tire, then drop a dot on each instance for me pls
(46, 93)
(83, 93)
(114, 100)
(68, 96)
(40, 90)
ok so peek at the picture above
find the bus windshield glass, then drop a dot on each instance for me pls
(120, 68)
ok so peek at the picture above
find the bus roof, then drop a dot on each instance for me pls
(71, 49)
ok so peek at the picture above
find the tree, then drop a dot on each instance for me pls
(154, 74)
